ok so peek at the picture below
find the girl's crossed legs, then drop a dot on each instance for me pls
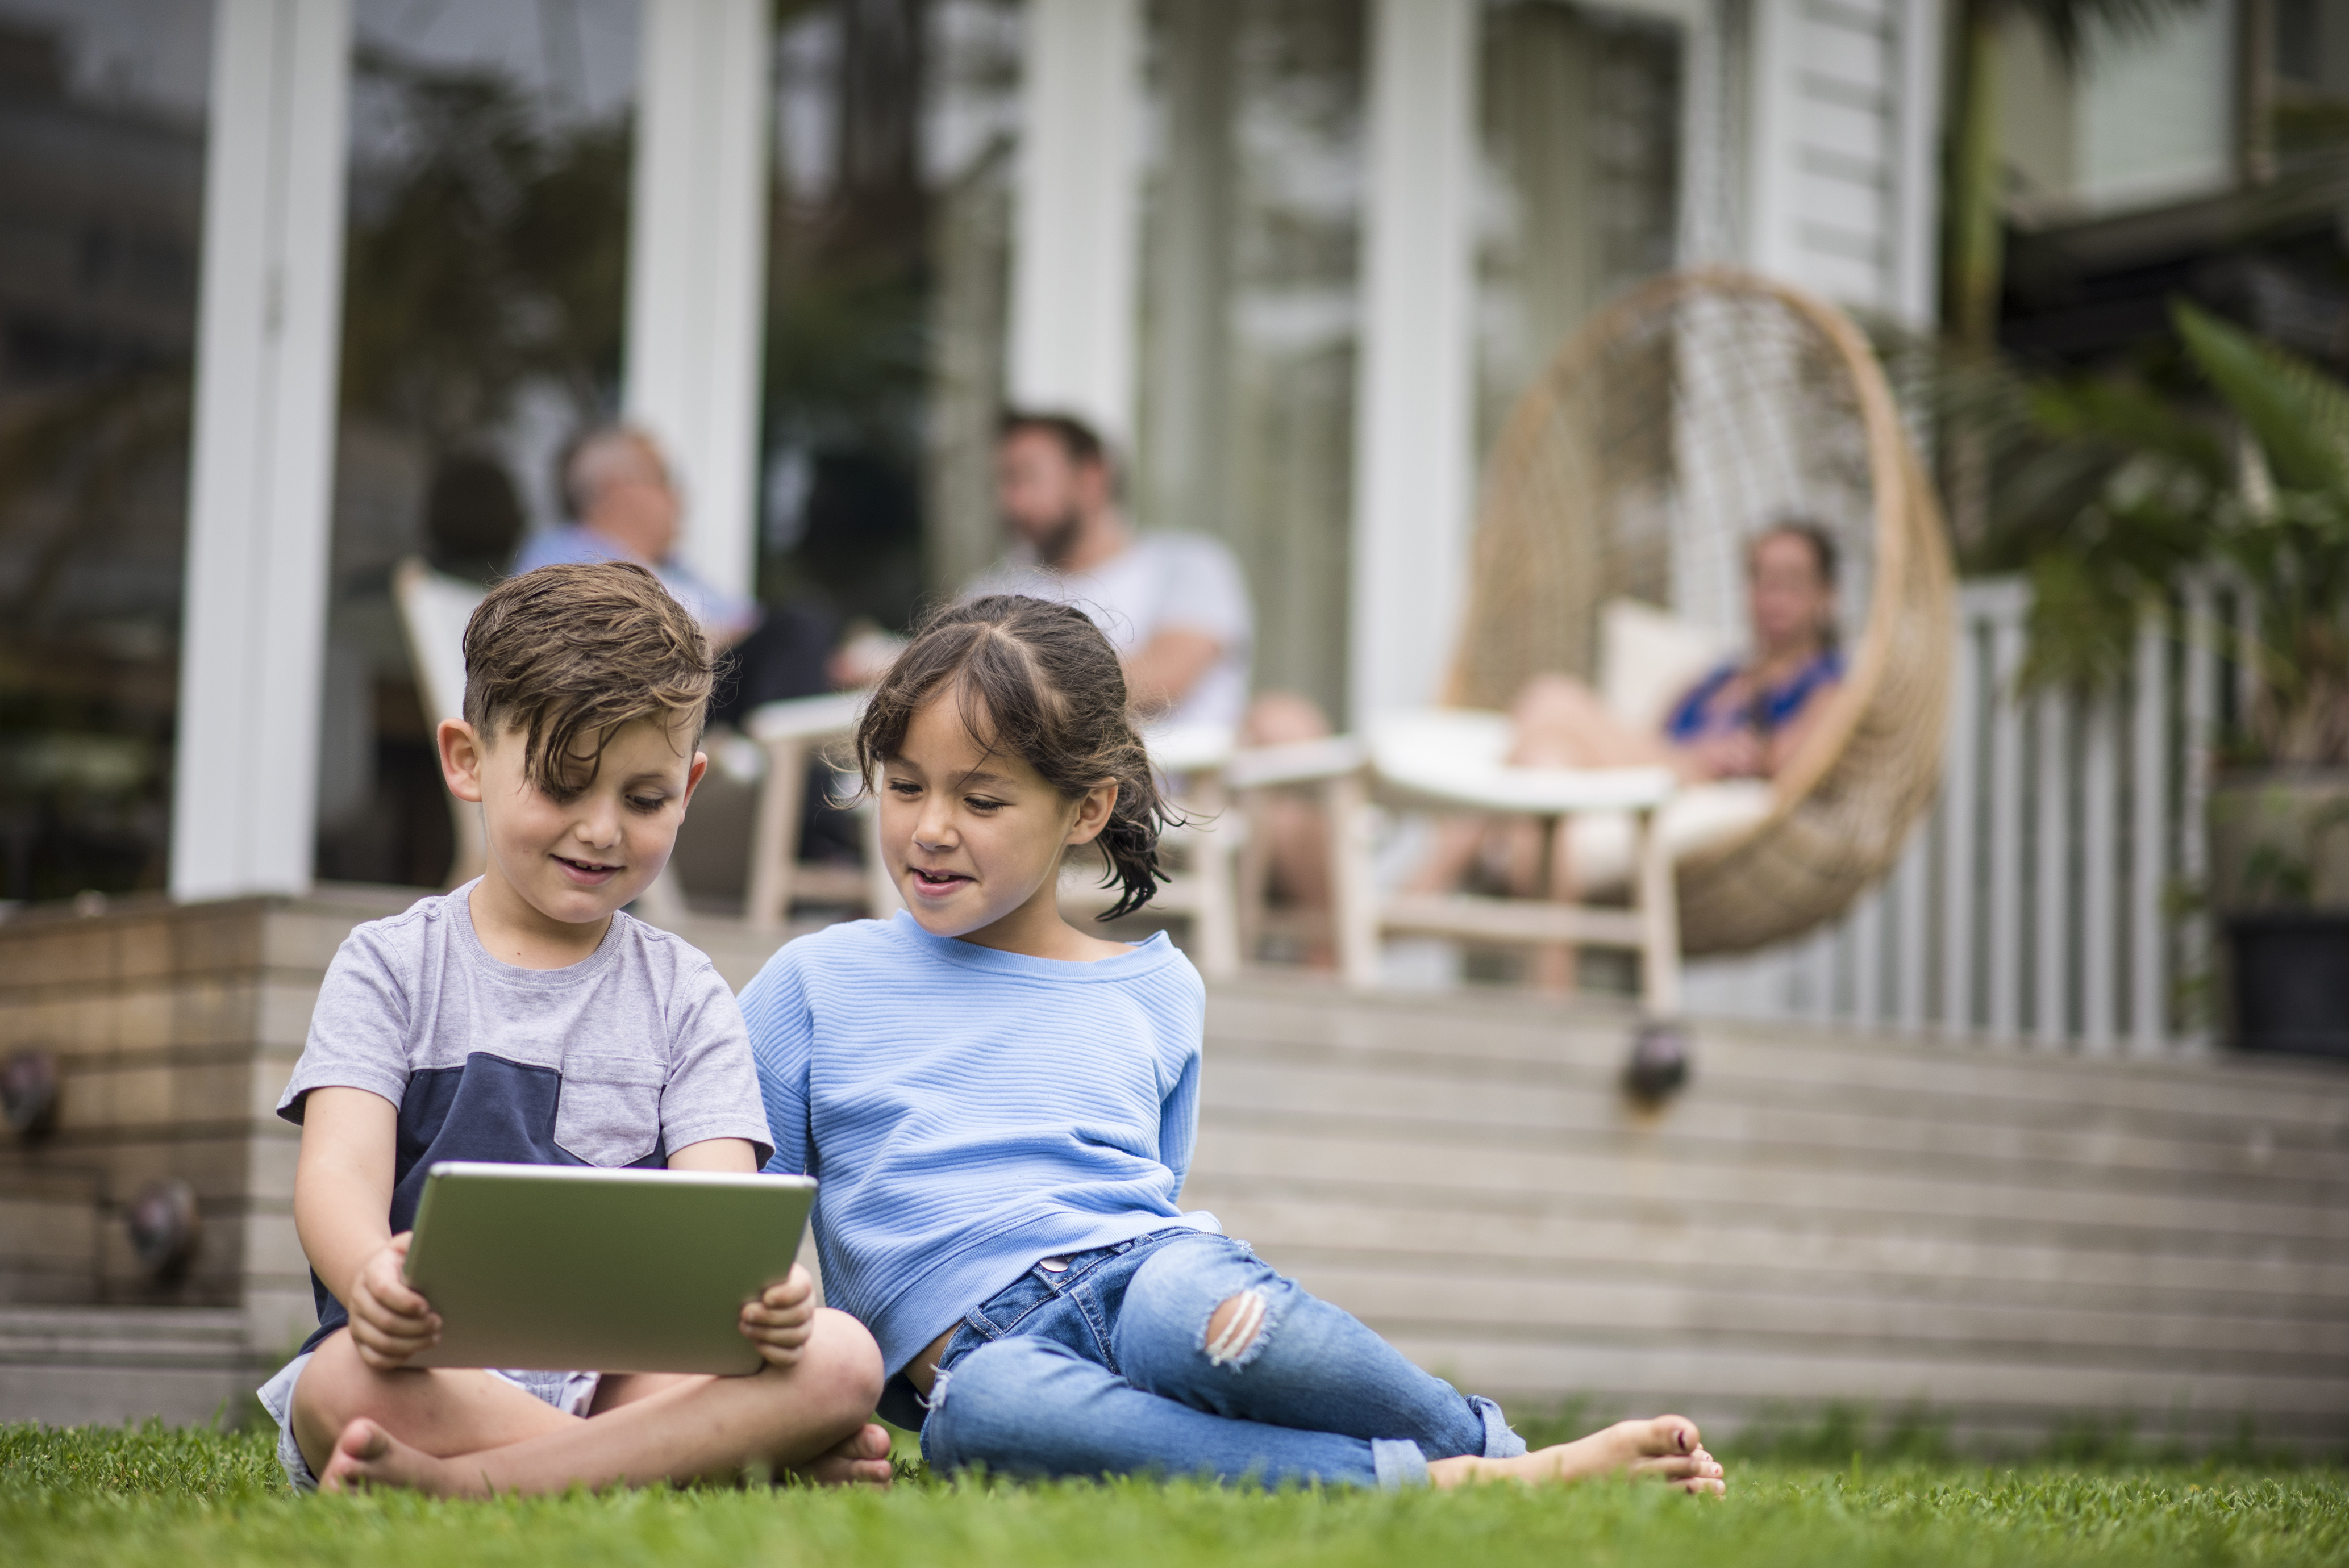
(1214, 1363)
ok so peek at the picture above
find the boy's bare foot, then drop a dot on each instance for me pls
(1664, 1449)
(366, 1456)
(861, 1457)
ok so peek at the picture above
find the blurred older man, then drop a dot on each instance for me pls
(616, 485)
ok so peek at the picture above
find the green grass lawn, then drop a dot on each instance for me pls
(193, 1500)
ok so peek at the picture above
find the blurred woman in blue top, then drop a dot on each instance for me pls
(1001, 1108)
(1745, 719)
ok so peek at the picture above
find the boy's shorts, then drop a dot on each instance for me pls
(569, 1392)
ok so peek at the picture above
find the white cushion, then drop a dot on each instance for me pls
(1700, 817)
(1456, 757)
(1648, 660)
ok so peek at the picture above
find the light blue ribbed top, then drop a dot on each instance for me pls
(970, 1111)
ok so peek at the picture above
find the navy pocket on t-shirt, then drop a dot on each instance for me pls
(609, 1111)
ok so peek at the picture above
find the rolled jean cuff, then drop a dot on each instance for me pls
(1398, 1463)
(1500, 1442)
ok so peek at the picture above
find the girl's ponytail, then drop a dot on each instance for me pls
(1042, 679)
(1129, 843)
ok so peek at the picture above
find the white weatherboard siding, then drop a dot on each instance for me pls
(1078, 205)
(1414, 463)
(696, 267)
(270, 307)
(1841, 180)
(1917, 192)
(2157, 115)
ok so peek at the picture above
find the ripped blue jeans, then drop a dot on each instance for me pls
(1100, 1363)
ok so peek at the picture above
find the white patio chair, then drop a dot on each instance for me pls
(791, 733)
(1450, 760)
(433, 611)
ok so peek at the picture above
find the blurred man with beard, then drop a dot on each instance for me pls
(1173, 606)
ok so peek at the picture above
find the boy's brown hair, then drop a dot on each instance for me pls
(574, 652)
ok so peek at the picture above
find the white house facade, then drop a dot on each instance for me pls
(1800, 138)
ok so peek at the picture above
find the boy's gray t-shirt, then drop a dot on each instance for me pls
(619, 1060)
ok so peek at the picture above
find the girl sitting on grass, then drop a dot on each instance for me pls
(1001, 1108)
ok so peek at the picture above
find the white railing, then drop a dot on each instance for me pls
(2047, 896)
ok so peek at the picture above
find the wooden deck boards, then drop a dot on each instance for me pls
(2015, 1239)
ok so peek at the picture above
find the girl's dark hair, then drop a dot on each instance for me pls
(1037, 681)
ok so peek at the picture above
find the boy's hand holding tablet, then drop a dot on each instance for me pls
(780, 1322)
(389, 1321)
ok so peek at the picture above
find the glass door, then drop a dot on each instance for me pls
(1251, 235)
(483, 306)
(102, 132)
(888, 268)
(1580, 178)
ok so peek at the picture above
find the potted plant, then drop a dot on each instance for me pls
(2127, 490)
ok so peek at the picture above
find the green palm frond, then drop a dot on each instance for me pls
(2299, 415)
(2115, 491)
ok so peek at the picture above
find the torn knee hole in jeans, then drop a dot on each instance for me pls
(1236, 1330)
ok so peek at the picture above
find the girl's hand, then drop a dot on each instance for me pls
(781, 1320)
(389, 1321)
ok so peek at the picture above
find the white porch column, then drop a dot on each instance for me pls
(1772, 149)
(268, 334)
(1918, 50)
(696, 267)
(1414, 463)
(1073, 260)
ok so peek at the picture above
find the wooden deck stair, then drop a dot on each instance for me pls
(2011, 1238)
(70, 1365)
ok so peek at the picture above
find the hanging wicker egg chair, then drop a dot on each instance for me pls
(1676, 424)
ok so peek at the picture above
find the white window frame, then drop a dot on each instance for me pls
(1075, 259)
(698, 267)
(261, 457)
(269, 331)
(1415, 463)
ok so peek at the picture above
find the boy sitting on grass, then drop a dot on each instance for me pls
(524, 1018)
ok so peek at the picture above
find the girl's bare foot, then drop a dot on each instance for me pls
(366, 1456)
(861, 1457)
(1664, 1449)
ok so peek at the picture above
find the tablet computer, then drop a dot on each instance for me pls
(564, 1266)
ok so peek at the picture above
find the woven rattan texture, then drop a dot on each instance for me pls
(1672, 428)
